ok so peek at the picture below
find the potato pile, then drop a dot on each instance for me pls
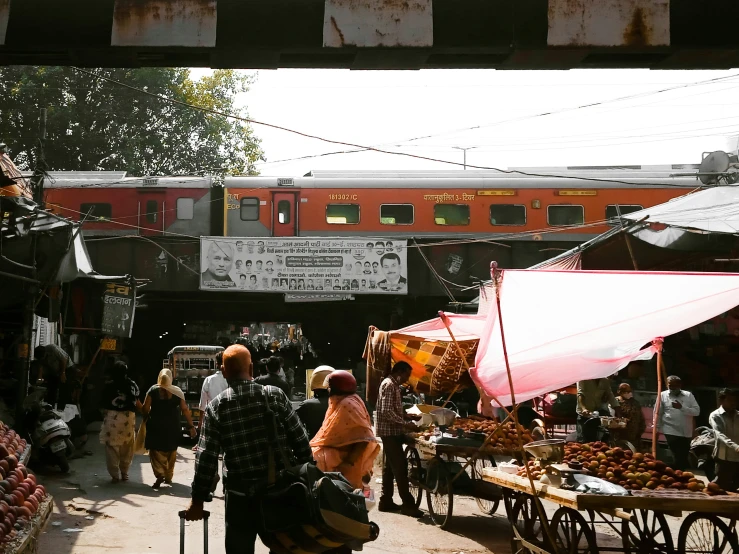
(631, 470)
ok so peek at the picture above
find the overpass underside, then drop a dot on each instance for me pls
(372, 34)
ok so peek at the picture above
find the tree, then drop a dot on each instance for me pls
(93, 124)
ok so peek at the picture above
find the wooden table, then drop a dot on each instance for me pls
(639, 519)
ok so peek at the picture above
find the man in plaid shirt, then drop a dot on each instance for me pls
(391, 425)
(234, 424)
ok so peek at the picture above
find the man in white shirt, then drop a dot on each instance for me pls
(213, 385)
(725, 424)
(676, 412)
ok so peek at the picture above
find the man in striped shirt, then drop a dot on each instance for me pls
(235, 424)
(391, 425)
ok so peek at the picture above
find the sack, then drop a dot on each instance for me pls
(139, 443)
(305, 510)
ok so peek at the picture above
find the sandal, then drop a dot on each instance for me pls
(114, 480)
(124, 476)
(157, 484)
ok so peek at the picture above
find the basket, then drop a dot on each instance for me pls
(551, 450)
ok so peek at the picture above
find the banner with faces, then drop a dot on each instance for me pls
(280, 265)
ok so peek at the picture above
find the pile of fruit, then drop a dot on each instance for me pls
(20, 496)
(506, 438)
(631, 470)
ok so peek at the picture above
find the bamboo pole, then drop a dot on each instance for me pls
(464, 361)
(497, 277)
(655, 415)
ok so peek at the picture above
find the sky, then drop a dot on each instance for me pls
(505, 118)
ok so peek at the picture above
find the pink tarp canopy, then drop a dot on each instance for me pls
(566, 326)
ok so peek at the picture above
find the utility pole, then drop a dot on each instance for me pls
(37, 180)
(465, 152)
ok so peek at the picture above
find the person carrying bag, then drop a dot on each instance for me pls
(306, 510)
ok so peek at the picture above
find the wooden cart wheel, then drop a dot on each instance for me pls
(572, 533)
(439, 495)
(487, 507)
(647, 533)
(415, 474)
(706, 534)
(525, 517)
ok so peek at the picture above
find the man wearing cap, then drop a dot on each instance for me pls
(312, 411)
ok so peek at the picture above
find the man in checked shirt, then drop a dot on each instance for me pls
(234, 424)
(391, 426)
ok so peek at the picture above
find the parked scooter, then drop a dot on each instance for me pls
(701, 451)
(50, 435)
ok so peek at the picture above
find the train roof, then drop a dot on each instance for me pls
(522, 178)
(118, 179)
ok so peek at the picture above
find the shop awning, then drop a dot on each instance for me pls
(565, 326)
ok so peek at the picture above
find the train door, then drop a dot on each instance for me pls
(151, 210)
(284, 214)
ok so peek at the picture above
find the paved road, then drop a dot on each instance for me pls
(133, 518)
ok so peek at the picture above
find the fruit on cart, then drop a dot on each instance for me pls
(633, 470)
(506, 438)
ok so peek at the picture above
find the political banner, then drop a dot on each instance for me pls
(280, 265)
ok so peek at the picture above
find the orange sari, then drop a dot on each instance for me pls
(346, 425)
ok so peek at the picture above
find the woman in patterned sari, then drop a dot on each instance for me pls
(346, 442)
(121, 400)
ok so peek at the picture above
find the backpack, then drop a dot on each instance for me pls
(304, 510)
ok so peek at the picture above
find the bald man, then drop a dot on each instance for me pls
(220, 261)
(234, 424)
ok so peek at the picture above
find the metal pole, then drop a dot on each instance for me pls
(655, 415)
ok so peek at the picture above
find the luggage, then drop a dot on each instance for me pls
(304, 510)
(206, 515)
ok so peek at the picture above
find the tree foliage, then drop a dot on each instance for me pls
(93, 124)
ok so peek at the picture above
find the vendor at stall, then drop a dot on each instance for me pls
(630, 409)
(725, 424)
(677, 409)
(593, 395)
(391, 425)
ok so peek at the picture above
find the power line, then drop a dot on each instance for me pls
(354, 145)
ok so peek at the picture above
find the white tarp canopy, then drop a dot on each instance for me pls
(714, 210)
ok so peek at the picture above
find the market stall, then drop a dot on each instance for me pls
(544, 330)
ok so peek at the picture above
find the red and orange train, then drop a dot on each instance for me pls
(570, 204)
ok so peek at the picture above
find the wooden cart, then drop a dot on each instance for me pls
(639, 519)
(442, 471)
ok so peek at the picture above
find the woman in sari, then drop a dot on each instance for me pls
(121, 400)
(345, 442)
(162, 406)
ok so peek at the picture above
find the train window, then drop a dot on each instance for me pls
(396, 214)
(95, 211)
(283, 211)
(342, 214)
(250, 209)
(507, 214)
(612, 213)
(452, 214)
(561, 215)
(185, 208)
(151, 211)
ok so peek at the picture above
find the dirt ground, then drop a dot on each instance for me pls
(92, 515)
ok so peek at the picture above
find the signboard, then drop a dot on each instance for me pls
(317, 297)
(109, 345)
(336, 265)
(119, 307)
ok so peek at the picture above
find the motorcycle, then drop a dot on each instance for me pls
(701, 451)
(50, 435)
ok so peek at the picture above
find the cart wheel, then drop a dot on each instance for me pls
(647, 533)
(525, 517)
(415, 474)
(706, 534)
(487, 507)
(439, 494)
(572, 533)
